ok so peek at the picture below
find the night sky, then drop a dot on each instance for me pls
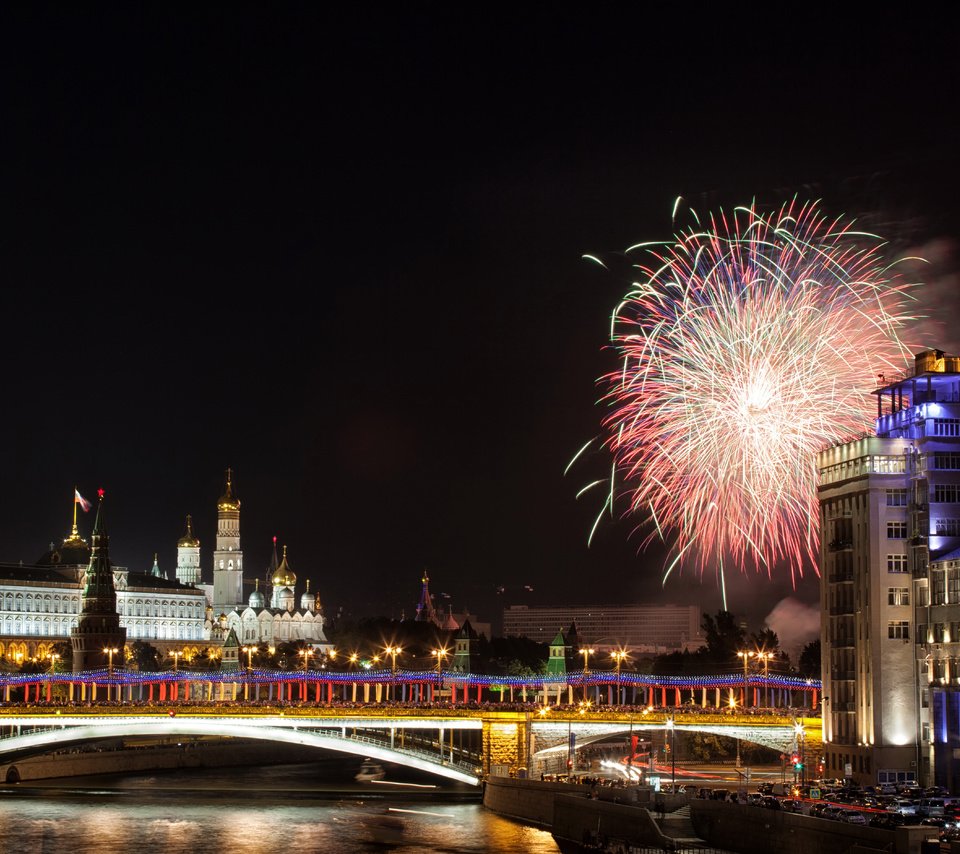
(340, 252)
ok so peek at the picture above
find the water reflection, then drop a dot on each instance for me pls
(246, 811)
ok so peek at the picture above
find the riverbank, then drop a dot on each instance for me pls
(621, 819)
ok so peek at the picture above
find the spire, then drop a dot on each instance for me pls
(188, 540)
(98, 627)
(272, 566)
(227, 500)
(425, 610)
(156, 568)
(75, 539)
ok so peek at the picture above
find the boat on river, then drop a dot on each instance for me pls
(369, 771)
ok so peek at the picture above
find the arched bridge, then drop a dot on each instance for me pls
(460, 744)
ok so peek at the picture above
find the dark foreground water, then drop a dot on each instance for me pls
(293, 809)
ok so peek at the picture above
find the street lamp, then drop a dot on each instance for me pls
(765, 658)
(393, 652)
(53, 661)
(307, 655)
(249, 650)
(618, 655)
(175, 655)
(110, 651)
(746, 688)
(586, 653)
(801, 737)
(673, 755)
(440, 654)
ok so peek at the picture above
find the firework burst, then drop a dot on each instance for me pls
(748, 343)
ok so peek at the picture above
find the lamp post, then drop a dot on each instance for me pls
(393, 652)
(53, 661)
(765, 658)
(673, 755)
(801, 737)
(249, 650)
(440, 653)
(306, 654)
(618, 655)
(175, 655)
(110, 651)
(586, 653)
(746, 689)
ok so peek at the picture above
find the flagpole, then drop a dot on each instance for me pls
(75, 510)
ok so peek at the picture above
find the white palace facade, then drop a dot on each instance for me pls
(40, 602)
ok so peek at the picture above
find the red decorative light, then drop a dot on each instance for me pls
(100, 492)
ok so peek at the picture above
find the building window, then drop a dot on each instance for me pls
(896, 563)
(882, 464)
(896, 498)
(898, 595)
(945, 461)
(946, 426)
(946, 493)
(898, 630)
(896, 530)
(946, 527)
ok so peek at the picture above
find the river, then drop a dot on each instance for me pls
(293, 809)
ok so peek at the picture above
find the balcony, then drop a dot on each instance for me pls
(841, 610)
(843, 641)
(840, 545)
(844, 707)
(844, 676)
(841, 575)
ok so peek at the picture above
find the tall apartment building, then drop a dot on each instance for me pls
(890, 591)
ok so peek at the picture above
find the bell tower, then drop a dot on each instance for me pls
(228, 558)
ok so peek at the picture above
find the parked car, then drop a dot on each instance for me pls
(931, 807)
(852, 817)
(902, 806)
(831, 812)
(754, 798)
(887, 821)
(770, 802)
(792, 805)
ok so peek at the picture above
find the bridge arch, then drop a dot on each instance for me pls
(43, 737)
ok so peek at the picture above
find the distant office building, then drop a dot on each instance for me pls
(642, 628)
(890, 591)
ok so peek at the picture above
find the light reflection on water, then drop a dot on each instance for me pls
(247, 811)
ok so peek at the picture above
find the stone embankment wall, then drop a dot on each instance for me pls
(574, 815)
(569, 811)
(77, 764)
(757, 830)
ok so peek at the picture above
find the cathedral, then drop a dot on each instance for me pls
(72, 587)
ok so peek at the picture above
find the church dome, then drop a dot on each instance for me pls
(188, 541)
(257, 599)
(306, 601)
(284, 576)
(227, 500)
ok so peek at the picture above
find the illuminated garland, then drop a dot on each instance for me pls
(258, 676)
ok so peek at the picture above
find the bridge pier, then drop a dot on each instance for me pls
(505, 743)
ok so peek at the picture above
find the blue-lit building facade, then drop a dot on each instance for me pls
(890, 586)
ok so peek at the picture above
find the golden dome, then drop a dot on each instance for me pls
(283, 577)
(227, 500)
(188, 541)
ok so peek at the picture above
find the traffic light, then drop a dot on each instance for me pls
(795, 759)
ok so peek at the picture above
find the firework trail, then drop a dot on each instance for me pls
(748, 343)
